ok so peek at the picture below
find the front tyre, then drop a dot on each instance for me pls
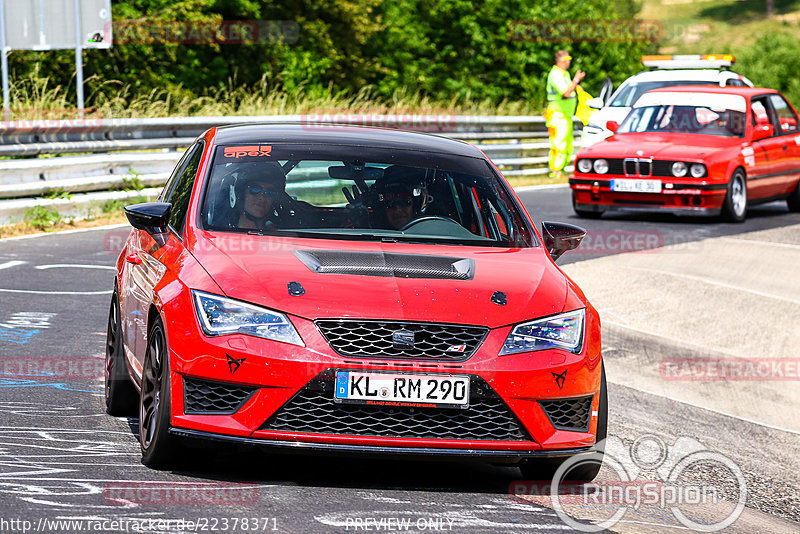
(121, 396)
(794, 200)
(584, 470)
(734, 207)
(154, 402)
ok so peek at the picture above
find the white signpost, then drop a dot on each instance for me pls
(52, 25)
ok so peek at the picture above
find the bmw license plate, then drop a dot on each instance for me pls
(636, 186)
(388, 389)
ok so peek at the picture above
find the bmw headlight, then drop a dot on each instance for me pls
(600, 166)
(564, 331)
(219, 316)
(679, 169)
(584, 165)
(697, 170)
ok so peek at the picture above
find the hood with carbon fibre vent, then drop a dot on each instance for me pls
(387, 264)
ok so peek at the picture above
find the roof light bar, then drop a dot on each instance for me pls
(690, 61)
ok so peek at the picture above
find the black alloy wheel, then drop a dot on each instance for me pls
(154, 404)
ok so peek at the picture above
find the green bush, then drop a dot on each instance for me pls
(773, 61)
(42, 217)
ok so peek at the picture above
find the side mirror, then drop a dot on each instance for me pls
(561, 237)
(613, 126)
(606, 90)
(152, 217)
(762, 131)
(595, 103)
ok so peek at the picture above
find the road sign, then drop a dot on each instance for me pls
(52, 25)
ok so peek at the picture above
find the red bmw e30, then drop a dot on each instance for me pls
(353, 290)
(695, 151)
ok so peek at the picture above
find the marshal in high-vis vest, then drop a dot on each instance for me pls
(561, 104)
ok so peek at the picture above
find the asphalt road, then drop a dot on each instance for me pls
(63, 459)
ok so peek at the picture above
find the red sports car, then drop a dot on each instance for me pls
(694, 151)
(352, 291)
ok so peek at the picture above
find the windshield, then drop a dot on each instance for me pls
(630, 92)
(684, 119)
(344, 192)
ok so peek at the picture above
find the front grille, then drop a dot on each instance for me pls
(313, 410)
(420, 341)
(638, 167)
(206, 397)
(663, 168)
(615, 166)
(569, 414)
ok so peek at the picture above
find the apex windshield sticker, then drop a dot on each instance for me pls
(252, 151)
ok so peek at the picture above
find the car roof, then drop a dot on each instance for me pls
(660, 75)
(339, 134)
(747, 92)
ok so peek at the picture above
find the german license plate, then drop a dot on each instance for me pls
(636, 186)
(389, 389)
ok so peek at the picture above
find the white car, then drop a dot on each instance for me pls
(668, 71)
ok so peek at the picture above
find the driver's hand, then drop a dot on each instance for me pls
(357, 203)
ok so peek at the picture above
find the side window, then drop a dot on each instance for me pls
(734, 82)
(173, 178)
(760, 113)
(182, 192)
(786, 117)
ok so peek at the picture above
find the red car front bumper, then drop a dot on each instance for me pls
(279, 374)
(595, 195)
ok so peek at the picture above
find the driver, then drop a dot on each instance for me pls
(402, 195)
(258, 192)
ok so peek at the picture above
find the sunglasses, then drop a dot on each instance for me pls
(401, 202)
(257, 189)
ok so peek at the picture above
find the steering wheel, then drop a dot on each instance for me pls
(428, 218)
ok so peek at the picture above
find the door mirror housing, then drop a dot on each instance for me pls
(561, 237)
(606, 90)
(595, 103)
(762, 131)
(613, 126)
(152, 217)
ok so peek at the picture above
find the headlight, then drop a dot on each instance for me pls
(563, 331)
(679, 169)
(219, 316)
(600, 166)
(697, 170)
(585, 165)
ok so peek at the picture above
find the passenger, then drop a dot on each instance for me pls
(403, 196)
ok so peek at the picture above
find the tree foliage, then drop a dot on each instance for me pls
(773, 61)
(446, 49)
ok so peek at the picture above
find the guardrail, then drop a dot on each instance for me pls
(518, 145)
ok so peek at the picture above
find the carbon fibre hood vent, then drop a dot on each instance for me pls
(387, 264)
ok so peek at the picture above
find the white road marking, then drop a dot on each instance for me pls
(9, 264)
(32, 292)
(524, 188)
(714, 283)
(75, 266)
